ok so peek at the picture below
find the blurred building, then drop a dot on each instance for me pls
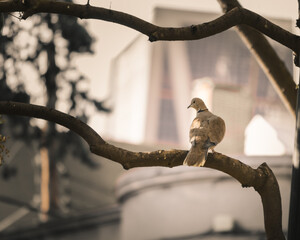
(86, 197)
(151, 86)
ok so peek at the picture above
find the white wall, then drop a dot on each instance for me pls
(126, 122)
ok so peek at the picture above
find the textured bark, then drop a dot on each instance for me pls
(262, 178)
(234, 17)
(245, 20)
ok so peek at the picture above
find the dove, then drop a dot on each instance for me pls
(206, 131)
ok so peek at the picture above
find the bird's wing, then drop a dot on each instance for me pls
(198, 131)
(216, 129)
(206, 131)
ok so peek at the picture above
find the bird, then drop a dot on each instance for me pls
(206, 131)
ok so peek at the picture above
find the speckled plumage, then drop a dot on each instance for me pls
(206, 131)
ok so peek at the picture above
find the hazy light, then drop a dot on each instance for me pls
(261, 138)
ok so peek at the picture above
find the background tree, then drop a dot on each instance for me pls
(36, 65)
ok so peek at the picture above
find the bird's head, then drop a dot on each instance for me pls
(198, 105)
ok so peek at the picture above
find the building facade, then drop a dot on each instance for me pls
(151, 86)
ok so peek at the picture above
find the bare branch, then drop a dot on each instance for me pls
(52, 115)
(232, 18)
(262, 178)
(271, 64)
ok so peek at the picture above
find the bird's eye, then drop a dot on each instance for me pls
(194, 101)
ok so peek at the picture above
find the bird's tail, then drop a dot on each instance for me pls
(196, 157)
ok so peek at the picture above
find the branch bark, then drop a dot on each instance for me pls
(261, 179)
(245, 20)
(234, 17)
(271, 64)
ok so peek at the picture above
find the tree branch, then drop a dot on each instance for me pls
(232, 18)
(262, 178)
(52, 115)
(271, 64)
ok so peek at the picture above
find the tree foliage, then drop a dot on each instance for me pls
(36, 65)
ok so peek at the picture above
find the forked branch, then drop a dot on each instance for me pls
(262, 178)
(234, 17)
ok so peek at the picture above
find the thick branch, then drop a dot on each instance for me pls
(232, 18)
(262, 179)
(268, 59)
(52, 115)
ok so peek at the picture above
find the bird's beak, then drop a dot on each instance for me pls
(189, 106)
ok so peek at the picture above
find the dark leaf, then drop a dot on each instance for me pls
(8, 172)
(100, 107)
